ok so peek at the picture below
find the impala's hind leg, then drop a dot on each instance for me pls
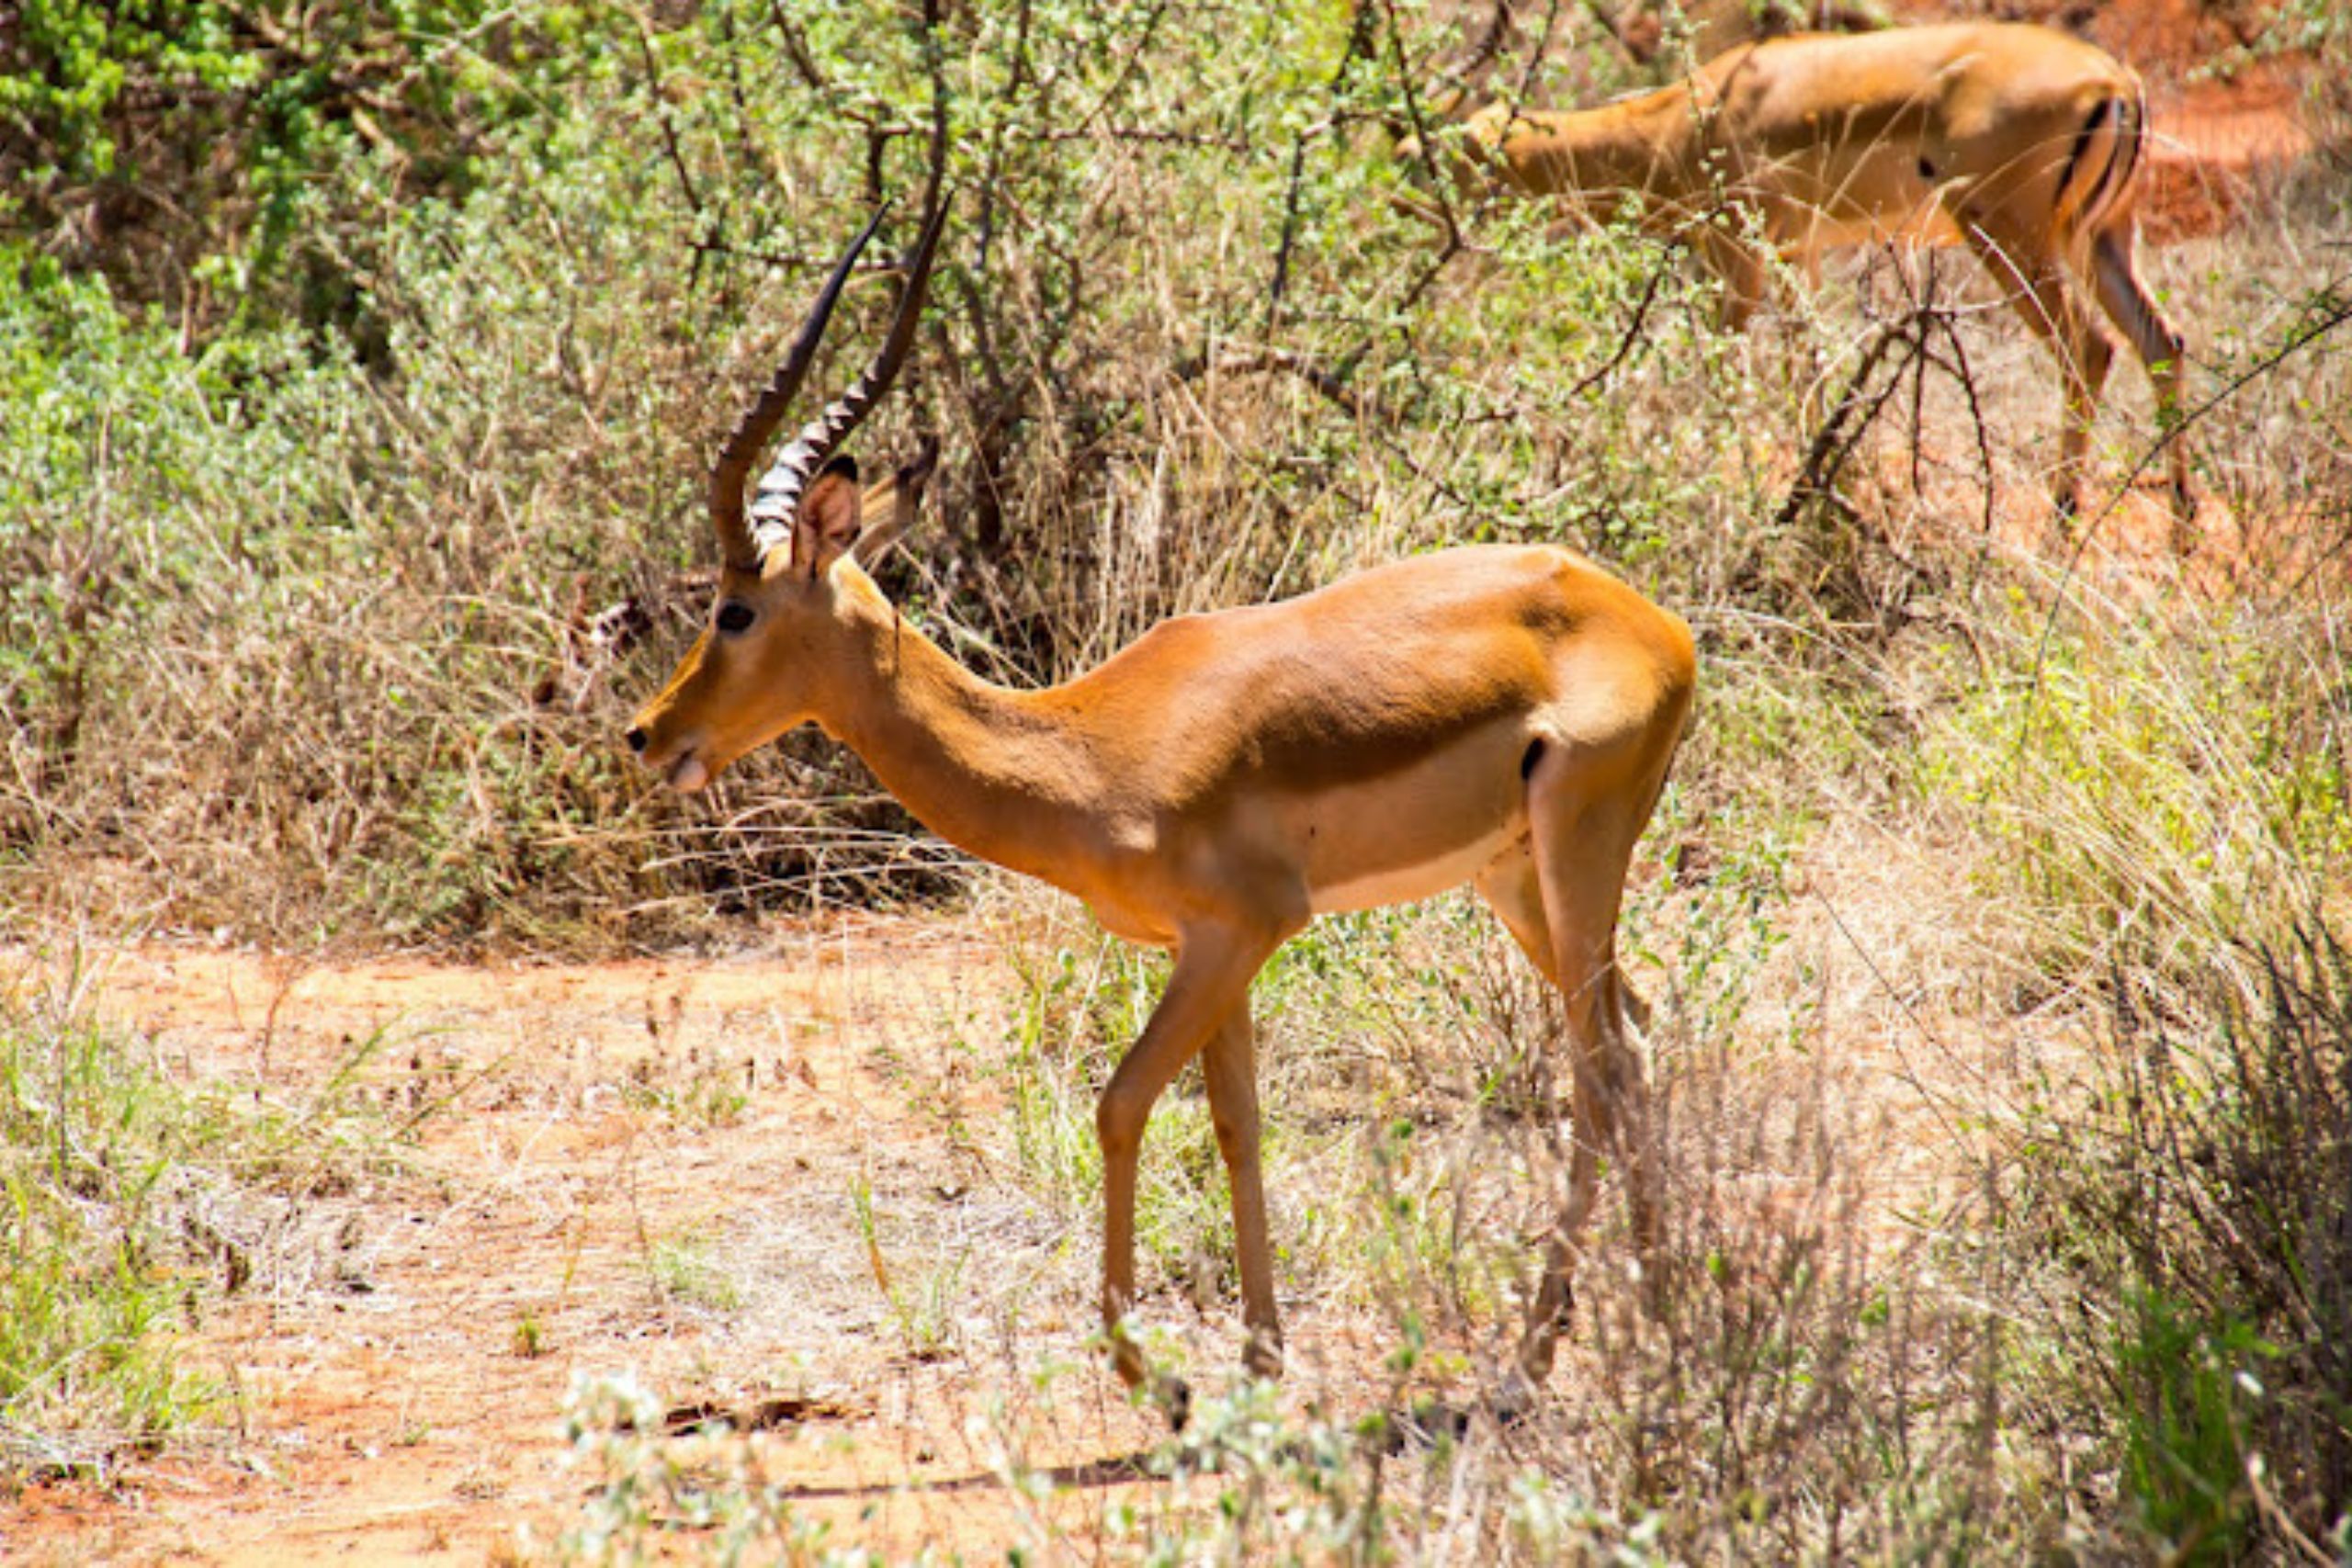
(2115, 278)
(1587, 805)
(2036, 284)
(1513, 887)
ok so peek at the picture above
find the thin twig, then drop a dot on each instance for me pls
(1633, 331)
(795, 49)
(1420, 131)
(661, 112)
(1128, 68)
(791, 261)
(1346, 368)
(1541, 52)
(1283, 359)
(1156, 136)
(1358, 29)
(1832, 445)
(1919, 386)
(1966, 376)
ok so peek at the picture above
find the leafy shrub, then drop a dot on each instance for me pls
(179, 147)
(298, 602)
(90, 1269)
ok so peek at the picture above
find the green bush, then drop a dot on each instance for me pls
(92, 1276)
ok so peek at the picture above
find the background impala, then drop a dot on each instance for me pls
(2022, 144)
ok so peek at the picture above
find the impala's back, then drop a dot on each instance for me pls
(1860, 136)
(1401, 708)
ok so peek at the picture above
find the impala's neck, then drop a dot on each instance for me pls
(987, 768)
(1601, 154)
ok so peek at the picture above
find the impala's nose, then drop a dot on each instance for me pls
(635, 738)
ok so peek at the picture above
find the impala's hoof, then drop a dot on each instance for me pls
(1174, 1397)
(1515, 1401)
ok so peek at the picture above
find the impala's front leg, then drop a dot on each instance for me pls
(1215, 965)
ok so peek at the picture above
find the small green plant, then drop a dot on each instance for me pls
(685, 1269)
(2199, 1176)
(922, 1301)
(2186, 1426)
(712, 1094)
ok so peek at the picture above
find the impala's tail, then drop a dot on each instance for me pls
(2104, 162)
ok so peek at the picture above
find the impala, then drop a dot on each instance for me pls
(2020, 142)
(1503, 715)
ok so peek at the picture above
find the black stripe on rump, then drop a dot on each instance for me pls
(2082, 145)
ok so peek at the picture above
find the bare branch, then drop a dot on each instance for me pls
(1458, 83)
(661, 110)
(795, 49)
(1835, 441)
(1360, 29)
(1421, 133)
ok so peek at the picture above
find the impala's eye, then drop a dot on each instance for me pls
(735, 617)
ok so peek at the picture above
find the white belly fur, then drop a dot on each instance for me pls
(1407, 883)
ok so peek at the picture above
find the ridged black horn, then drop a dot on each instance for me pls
(737, 543)
(778, 499)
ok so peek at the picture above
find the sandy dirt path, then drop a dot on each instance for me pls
(652, 1167)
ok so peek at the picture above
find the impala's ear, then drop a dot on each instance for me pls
(891, 509)
(829, 520)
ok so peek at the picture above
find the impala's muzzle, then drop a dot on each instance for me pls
(680, 763)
